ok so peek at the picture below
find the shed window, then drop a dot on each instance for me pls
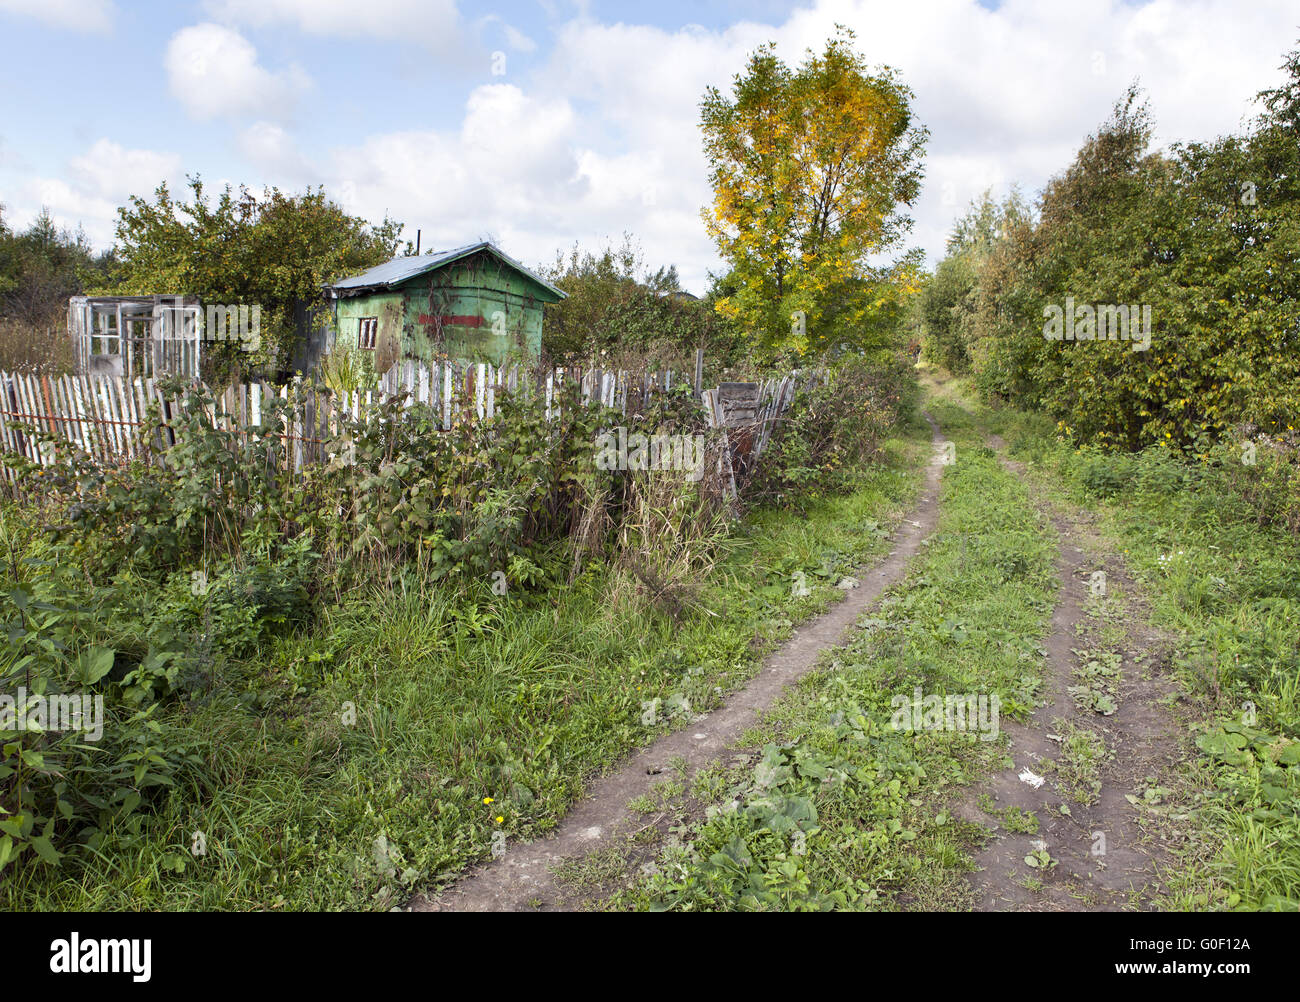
(366, 332)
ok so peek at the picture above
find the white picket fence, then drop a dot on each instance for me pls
(105, 416)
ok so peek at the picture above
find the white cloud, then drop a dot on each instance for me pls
(434, 26)
(518, 41)
(511, 168)
(71, 207)
(270, 148)
(213, 71)
(109, 171)
(95, 184)
(77, 15)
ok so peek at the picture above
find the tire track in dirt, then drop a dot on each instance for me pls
(1106, 852)
(523, 877)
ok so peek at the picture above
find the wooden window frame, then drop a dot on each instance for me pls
(367, 326)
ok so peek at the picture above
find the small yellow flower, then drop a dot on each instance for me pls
(500, 819)
(487, 800)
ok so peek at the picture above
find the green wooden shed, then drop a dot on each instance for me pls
(474, 303)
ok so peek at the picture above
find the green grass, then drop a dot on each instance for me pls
(844, 811)
(387, 747)
(1227, 590)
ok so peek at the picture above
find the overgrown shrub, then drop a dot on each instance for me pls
(1265, 473)
(835, 424)
(1203, 236)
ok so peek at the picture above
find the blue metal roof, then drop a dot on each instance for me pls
(400, 269)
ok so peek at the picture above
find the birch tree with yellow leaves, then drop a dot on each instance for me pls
(812, 171)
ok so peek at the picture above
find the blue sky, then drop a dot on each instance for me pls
(543, 123)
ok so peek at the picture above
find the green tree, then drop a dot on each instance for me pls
(619, 311)
(810, 169)
(39, 269)
(947, 305)
(42, 266)
(1203, 237)
(275, 251)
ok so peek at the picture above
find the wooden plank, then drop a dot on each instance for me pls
(89, 415)
(28, 407)
(156, 436)
(31, 386)
(169, 410)
(94, 385)
(326, 430)
(71, 430)
(6, 436)
(49, 408)
(14, 404)
(113, 413)
(6, 416)
(54, 411)
(121, 389)
(140, 398)
(287, 430)
(146, 396)
(13, 439)
(121, 392)
(131, 399)
(77, 409)
(446, 395)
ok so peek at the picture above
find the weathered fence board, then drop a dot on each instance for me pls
(107, 416)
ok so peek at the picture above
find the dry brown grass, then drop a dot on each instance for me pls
(671, 535)
(31, 347)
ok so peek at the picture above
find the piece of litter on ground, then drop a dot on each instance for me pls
(1032, 779)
